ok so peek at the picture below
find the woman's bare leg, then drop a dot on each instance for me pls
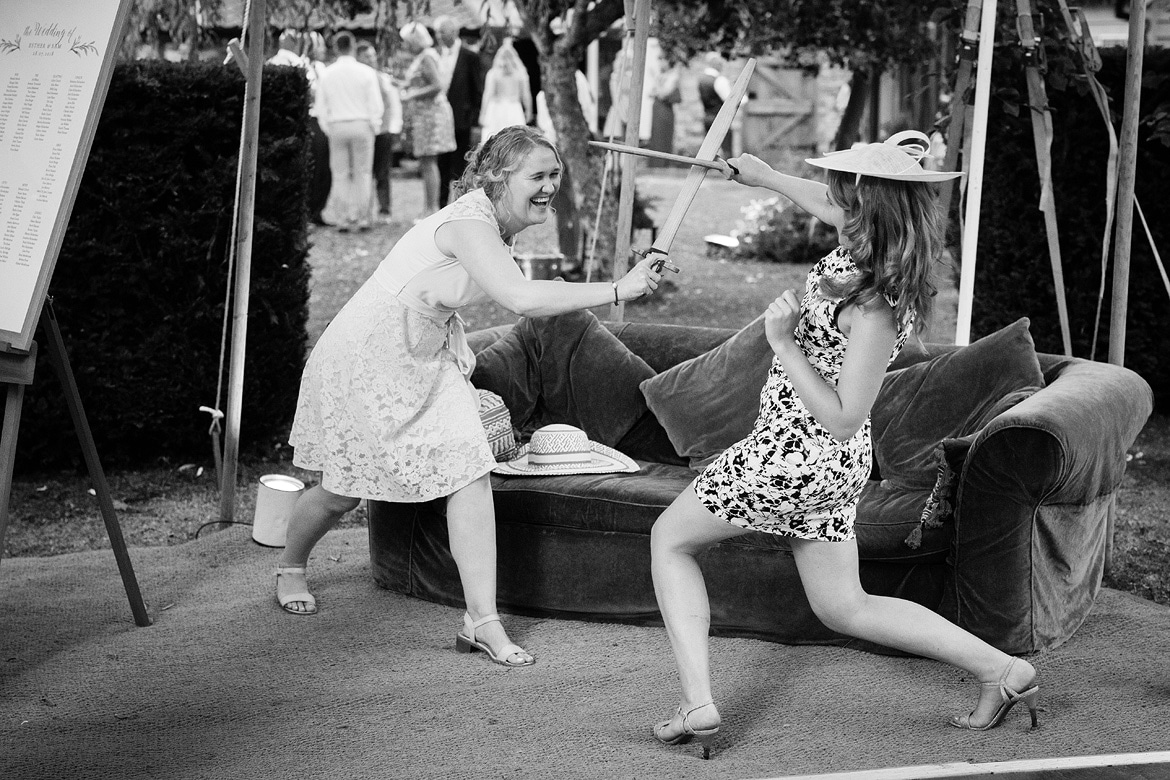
(316, 511)
(429, 169)
(683, 531)
(829, 572)
(471, 526)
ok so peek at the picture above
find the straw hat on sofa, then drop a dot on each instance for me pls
(563, 449)
(899, 157)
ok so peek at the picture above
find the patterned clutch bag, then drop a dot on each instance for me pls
(497, 422)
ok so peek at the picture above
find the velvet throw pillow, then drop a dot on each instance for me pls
(948, 397)
(565, 369)
(711, 401)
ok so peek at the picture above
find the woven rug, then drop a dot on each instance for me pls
(225, 685)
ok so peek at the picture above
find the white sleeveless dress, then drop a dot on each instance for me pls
(385, 409)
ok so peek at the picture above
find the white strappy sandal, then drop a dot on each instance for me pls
(293, 598)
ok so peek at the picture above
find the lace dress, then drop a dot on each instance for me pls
(790, 476)
(386, 410)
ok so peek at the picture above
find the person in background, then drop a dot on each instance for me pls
(507, 97)
(425, 108)
(667, 94)
(387, 132)
(321, 180)
(349, 107)
(463, 76)
(386, 410)
(289, 52)
(800, 472)
(619, 90)
(714, 88)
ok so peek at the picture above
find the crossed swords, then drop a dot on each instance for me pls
(704, 160)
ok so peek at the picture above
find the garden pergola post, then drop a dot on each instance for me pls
(975, 174)
(635, 65)
(1127, 171)
(245, 202)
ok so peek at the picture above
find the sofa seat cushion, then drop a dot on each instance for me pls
(886, 515)
(596, 502)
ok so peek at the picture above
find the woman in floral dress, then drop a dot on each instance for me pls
(800, 472)
(426, 110)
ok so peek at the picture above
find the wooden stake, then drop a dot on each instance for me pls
(1127, 171)
(245, 201)
(635, 63)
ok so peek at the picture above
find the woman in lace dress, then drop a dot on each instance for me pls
(800, 472)
(386, 411)
(426, 110)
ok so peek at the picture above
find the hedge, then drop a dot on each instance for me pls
(140, 281)
(1013, 275)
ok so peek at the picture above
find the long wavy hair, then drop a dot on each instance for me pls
(894, 231)
(490, 164)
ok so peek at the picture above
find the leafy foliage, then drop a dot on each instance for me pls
(775, 231)
(141, 278)
(1014, 277)
(853, 33)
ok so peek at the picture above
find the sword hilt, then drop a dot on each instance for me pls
(659, 264)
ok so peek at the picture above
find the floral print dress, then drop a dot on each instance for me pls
(790, 476)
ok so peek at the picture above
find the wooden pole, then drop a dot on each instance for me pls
(245, 201)
(1127, 172)
(975, 173)
(635, 64)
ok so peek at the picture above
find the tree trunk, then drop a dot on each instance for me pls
(849, 131)
(581, 187)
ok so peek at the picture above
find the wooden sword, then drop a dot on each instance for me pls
(717, 164)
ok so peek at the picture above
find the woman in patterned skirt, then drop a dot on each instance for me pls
(426, 110)
(386, 411)
(800, 472)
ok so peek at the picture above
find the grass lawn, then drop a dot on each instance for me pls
(171, 503)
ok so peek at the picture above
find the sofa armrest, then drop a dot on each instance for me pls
(1094, 412)
(1031, 514)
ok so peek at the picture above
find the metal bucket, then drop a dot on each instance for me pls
(275, 497)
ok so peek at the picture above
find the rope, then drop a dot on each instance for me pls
(1154, 249)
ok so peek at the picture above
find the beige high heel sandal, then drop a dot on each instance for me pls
(465, 642)
(1008, 699)
(706, 736)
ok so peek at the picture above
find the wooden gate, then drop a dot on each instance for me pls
(780, 117)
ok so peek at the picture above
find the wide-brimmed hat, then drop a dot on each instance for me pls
(899, 158)
(563, 449)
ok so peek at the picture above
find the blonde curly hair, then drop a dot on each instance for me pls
(490, 164)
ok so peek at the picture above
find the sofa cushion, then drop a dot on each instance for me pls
(949, 396)
(709, 402)
(565, 369)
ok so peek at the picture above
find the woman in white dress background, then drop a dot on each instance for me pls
(386, 411)
(507, 95)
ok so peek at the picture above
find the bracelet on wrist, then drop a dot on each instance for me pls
(615, 294)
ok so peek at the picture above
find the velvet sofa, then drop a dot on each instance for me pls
(995, 474)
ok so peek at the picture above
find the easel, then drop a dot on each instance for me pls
(16, 373)
(73, 51)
